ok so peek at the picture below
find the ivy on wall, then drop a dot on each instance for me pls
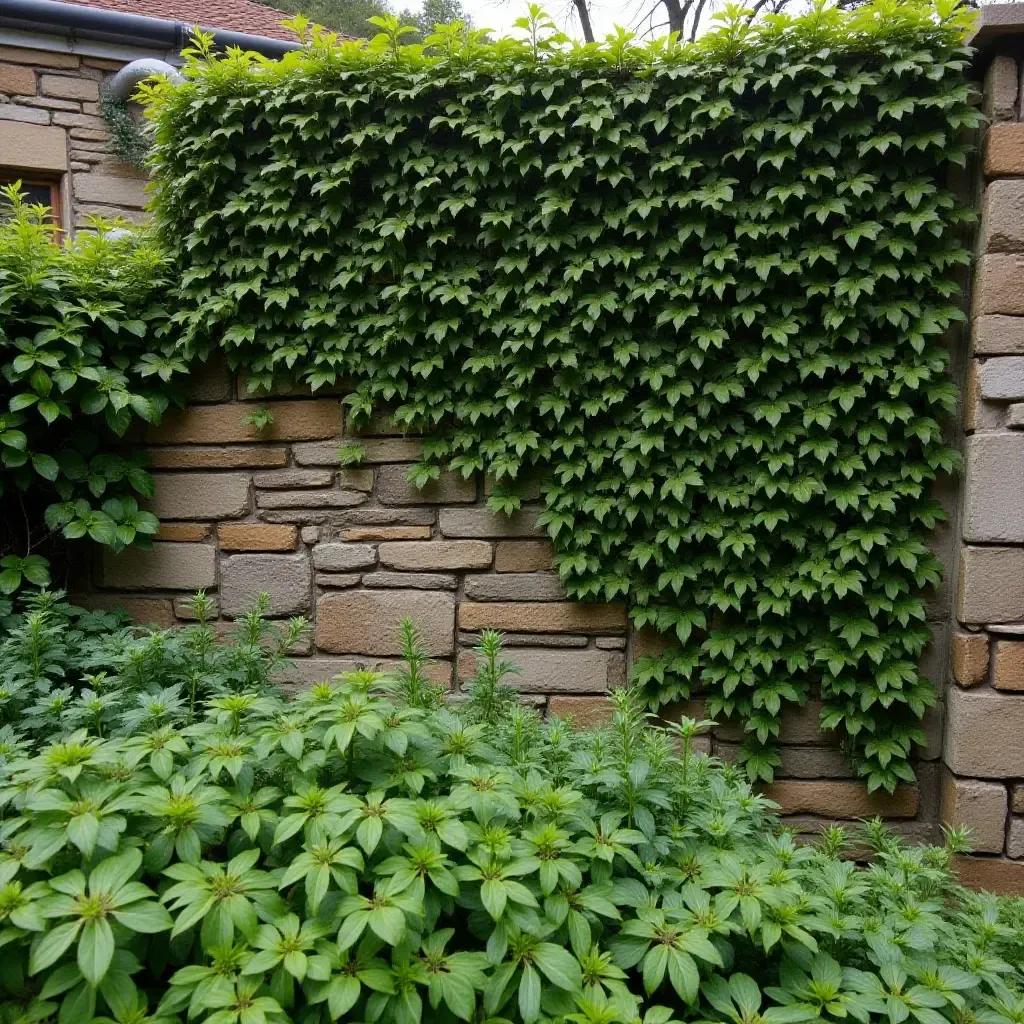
(699, 292)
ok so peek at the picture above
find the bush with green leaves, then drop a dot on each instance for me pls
(366, 853)
(696, 294)
(84, 354)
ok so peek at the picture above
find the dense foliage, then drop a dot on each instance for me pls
(366, 853)
(82, 357)
(698, 293)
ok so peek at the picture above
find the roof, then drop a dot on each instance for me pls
(234, 15)
(997, 25)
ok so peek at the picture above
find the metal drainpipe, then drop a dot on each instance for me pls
(124, 83)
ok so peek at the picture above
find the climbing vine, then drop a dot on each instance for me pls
(699, 292)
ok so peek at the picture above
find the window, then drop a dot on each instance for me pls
(38, 190)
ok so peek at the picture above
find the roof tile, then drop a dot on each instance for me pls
(234, 15)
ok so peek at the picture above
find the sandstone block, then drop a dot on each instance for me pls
(983, 731)
(339, 557)
(436, 554)
(523, 555)
(310, 499)
(1004, 150)
(376, 516)
(40, 147)
(144, 611)
(337, 580)
(843, 800)
(303, 672)
(553, 617)
(184, 609)
(386, 533)
(1017, 798)
(106, 188)
(394, 488)
(288, 479)
(991, 585)
(39, 58)
(801, 726)
(482, 522)
(585, 712)
(979, 414)
(970, 658)
(981, 806)
(285, 577)
(16, 80)
(310, 534)
(993, 874)
(367, 621)
(375, 450)
(1015, 416)
(1002, 217)
(412, 580)
(528, 640)
(1008, 666)
(611, 643)
(1000, 92)
(545, 670)
(813, 763)
(256, 537)
(356, 479)
(998, 336)
(217, 458)
(1015, 839)
(1001, 378)
(200, 495)
(225, 424)
(183, 533)
(999, 283)
(515, 586)
(211, 381)
(994, 488)
(67, 87)
(165, 567)
(22, 114)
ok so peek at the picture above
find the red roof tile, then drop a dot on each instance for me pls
(234, 15)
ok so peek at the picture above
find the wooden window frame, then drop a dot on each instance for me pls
(9, 176)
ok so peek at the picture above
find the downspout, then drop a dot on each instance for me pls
(123, 85)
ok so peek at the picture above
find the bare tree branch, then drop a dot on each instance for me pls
(696, 19)
(583, 12)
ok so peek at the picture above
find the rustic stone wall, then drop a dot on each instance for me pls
(50, 127)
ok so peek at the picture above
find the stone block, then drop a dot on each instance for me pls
(546, 670)
(21, 114)
(1015, 416)
(184, 609)
(529, 640)
(17, 81)
(992, 874)
(291, 479)
(144, 611)
(1001, 378)
(1004, 150)
(1000, 91)
(183, 533)
(67, 87)
(39, 58)
(395, 488)
(200, 495)
(994, 488)
(356, 479)
(981, 806)
(386, 533)
(436, 554)
(970, 658)
(368, 621)
(302, 672)
(210, 381)
(553, 617)
(337, 580)
(999, 283)
(107, 188)
(1008, 666)
(256, 537)
(813, 763)
(977, 413)
(225, 424)
(340, 557)
(286, 578)
(523, 555)
(482, 522)
(515, 586)
(375, 450)
(842, 800)
(585, 712)
(801, 726)
(611, 643)
(983, 734)
(310, 534)
(1002, 217)
(1015, 839)
(998, 336)
(412, 580)
(39, 147)
(164, 567)
(991, 585)
(1017, 798)
(310, 499)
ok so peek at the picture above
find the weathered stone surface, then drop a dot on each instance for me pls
(1015, 839)
(165, 567)
(436, 554)
(979, 414)
(40, 147)
(528, 640)
(200, 495)
(970, 658)
(255, 457)
(801, 726)
(813, 763)
(545, 670)
(1008, 666)
(842, 800)
(210, 381)
(367, 621)
(386, 533)
(994, 488)
(225, 424)
(523, 555)
(39, 58)
(183, 533)
(1001, 378)
(337, 580)
(998, 336)
(386, 449)
(375, 515)
(993, 874)
(991, 585)
(1015, 416)
(184, 608)
(585, 712)
(111, 189)
(16, 112)
(983, 734)
(67, 87)
(1000, 90)
(339, 557)
(285, 577)
(611, 643)
(394, 488)
(16, 80)
(304, 672)
(310, 534)
(413, 580)
(999, 283)
(648, 642)
(1004, 150)
(981, 806)
(482, 522)
(515, 586)
(554, 617)
(288, 479)
(1002, 217)
(256, 537)
(144, 611)
(356, 479)
(310, 499)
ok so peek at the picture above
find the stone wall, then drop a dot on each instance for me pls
(50, 127)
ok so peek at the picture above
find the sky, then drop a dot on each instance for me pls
(605, 14)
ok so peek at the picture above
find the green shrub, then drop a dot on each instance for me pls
(697, 293)
(364, 853)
